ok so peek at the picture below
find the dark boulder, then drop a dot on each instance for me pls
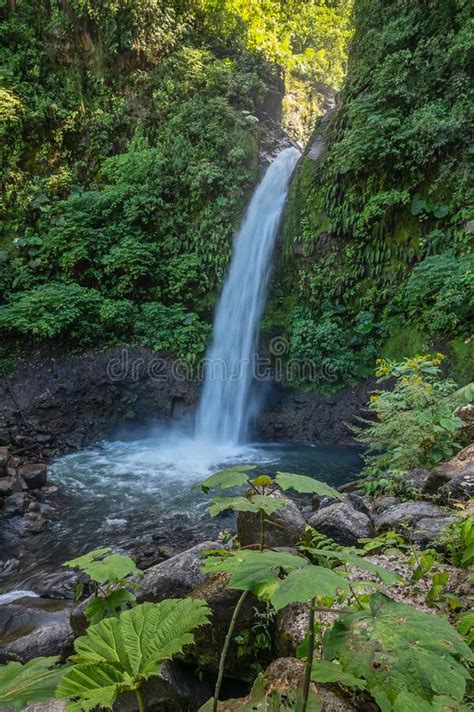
(289, 525)
(424, 520)
(342, 523)
(34, 627)
(35, 476)
(175, 577)
(209, 640)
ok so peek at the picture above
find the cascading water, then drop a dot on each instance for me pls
(223, 413)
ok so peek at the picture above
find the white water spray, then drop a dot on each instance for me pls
(224, 409)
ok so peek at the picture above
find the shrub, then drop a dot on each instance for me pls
(326, 344)
(56, 310)
(414, 424)
(439, 294)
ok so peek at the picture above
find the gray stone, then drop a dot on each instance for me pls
(290, 629)
(3, 461)
(34, 627)
(54, 706)
(6, 486)
(381, 504)
(424, 519)
(290, 521)
(175, 577)
(35, 476)
(342, 523)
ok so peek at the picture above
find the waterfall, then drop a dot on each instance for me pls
(224, 409)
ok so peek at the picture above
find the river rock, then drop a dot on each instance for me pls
(290, 517)
(33, 627)
(3, 461)
(34, 475)
(342, 523)
(53, 706)
(290, 629)
(447, 471)
(175, 577)
(425, 520)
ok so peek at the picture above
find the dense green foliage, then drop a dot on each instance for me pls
(377, 232)
(129, 147)
(414, 424)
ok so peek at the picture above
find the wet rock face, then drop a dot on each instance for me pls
(342, 523)
(69, 401)
(34, 627)
(289, 521)
(291, 416)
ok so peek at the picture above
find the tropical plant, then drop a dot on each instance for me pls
(118, 655)
(35, 681)
(414, 424)
(277, 577)
(409, 660)
(112, 577)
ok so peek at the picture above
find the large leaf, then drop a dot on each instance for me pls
(255, 503)
(102, 566)
(225, 479)
(398, 649)
(306, 485)
(301, 585)
(325, 671)
(388, 577)
(251, 569)
(118, 653)
(36, 681)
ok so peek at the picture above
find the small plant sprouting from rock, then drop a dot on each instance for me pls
(112, 579)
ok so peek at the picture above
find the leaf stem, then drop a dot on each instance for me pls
(262, 530)
(309, 658)
(225, 649)
(140, 700)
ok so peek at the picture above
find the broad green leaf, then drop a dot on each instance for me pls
(388, 577)
(395, 648)
(301, 585)
(95, 685)
(306, 485)
(82, 561)
(225, 479)
(255, 503)
(101, 566)
(250, 569)
(325, 671)
(117, 654)
(36, 681)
